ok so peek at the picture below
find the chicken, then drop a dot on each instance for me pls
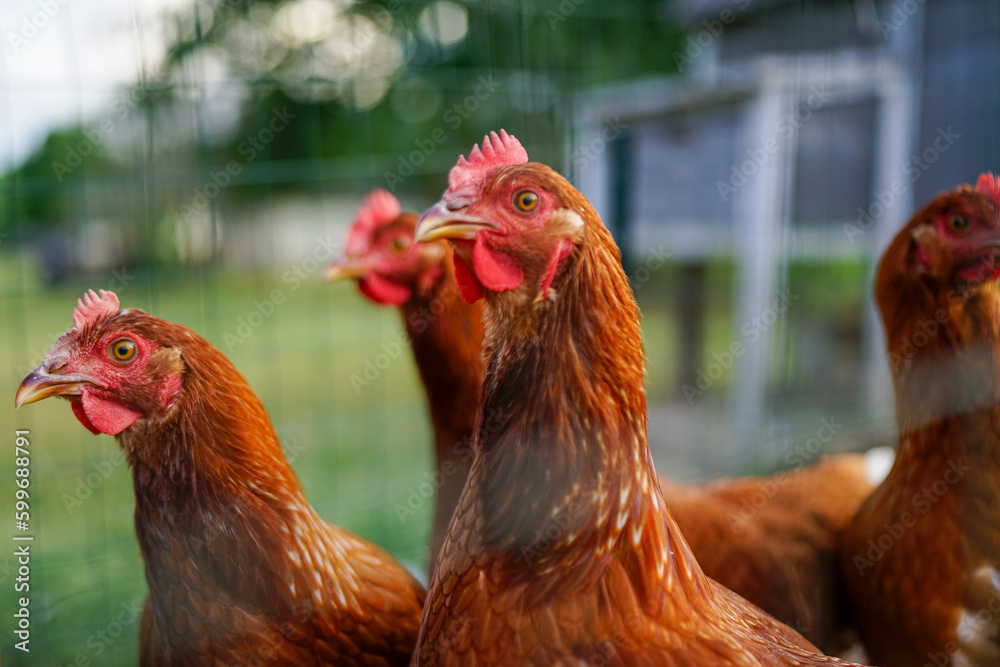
(772, 539)
(240, 568)
(777, 552)
(561, 550)
(446, 333)
(921, 558)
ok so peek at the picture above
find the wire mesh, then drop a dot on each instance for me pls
(204, 160)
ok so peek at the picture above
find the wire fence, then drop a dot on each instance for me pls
(212, 181)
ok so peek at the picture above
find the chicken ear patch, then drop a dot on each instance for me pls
(564, 250)
(103, 415)
(496, 271)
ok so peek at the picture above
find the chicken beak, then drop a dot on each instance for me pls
(346, 268)
(440, 223)
(40, 384)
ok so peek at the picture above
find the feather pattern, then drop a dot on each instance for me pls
(561, 550)
(240, 568)
(918, 557)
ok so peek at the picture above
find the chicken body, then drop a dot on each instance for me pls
(561, 550)
(240, 568)
(446, 333)
(780, 555)
(922, 556)
(773, 539)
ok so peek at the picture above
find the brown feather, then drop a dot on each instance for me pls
(773, 539)
(922, 556)
(240, 568)
(780, 557)
(562, 518)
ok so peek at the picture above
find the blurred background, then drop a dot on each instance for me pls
(204, 158)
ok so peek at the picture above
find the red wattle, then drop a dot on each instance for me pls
(468, 286)
(104, 415)
(82, 416)
(495, 270)
(383, 291)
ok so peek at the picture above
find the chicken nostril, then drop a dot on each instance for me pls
(56, 365)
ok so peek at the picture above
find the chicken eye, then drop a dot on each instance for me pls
(958, 224)
(122, 349)
(399, 244)
(526, 201)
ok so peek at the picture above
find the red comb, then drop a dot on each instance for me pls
(92, 308)
(378, 208)
(467, 176)
(989, 185)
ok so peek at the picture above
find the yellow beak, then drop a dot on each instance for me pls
(440, 223)
(40, 384)
(346, 268)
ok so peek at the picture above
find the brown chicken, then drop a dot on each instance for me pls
(240, 568)
(922, 556)
(770, 539)
(561, 550)
(446, 333)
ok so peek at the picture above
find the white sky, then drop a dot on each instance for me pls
(75, 57)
